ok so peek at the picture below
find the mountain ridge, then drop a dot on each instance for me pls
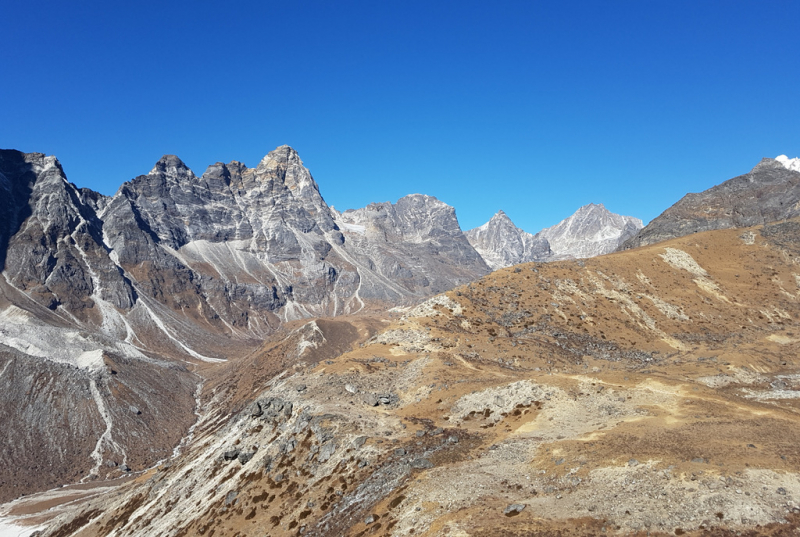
(592, 230)
(769, 192)
(512, 404)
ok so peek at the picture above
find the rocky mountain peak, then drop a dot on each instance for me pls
(171, 166)
(283, 155)
(284, 165)
(502, 244)
(217, 172)
(592, 207)
(592, 230)
(768, 193)
(500, 217)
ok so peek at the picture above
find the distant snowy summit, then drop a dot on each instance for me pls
(593, 230)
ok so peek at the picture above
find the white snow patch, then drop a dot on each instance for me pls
(91, 360)
(354, 228)
(789, 163)
(9, 529)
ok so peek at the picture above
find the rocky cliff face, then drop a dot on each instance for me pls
(770, 192)
(502, 244)
(593, 230)
(415, 244)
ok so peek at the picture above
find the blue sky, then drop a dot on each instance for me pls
(532, 107)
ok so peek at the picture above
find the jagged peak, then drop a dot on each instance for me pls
(500, 219)
(589, 207)
(283, 154)
(171, 165)
(500, 215)
(429, 202)
(423, 197)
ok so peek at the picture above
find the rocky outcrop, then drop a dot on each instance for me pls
(768, 193)
(593, 230)
(502, 244)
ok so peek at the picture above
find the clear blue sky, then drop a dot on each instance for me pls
(532, 107)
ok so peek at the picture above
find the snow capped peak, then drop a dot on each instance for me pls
(789, 163)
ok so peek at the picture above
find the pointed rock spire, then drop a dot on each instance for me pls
(171, 165)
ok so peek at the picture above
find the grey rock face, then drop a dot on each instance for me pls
(593, 230)
(414, 247)
(502, 244)
(51, 242)
(237, 250)
(770, 192)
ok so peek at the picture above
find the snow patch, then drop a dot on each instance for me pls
(354, 228)
(789, 163)
(91, 360)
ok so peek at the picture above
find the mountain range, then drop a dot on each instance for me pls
(186, 318)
